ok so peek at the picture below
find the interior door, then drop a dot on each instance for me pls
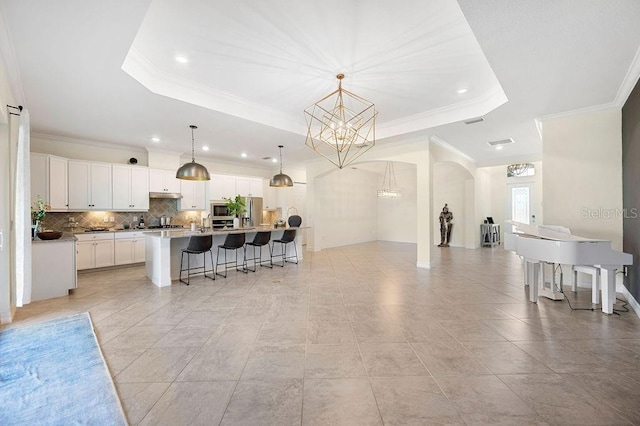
(520, 205)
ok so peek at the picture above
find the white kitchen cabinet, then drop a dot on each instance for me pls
(90, 186)
(130, 188)
(49, 181)
(249, 187)
(195, 195)
(163, 181)
(222, 186)
(129, 248)
(95, 250)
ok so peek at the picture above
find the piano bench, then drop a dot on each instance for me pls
(595, 280)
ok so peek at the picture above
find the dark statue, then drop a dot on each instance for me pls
(446, 223)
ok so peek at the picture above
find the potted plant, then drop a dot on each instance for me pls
(236, 208)
(37, 215)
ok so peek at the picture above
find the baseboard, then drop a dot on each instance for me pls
(631, 301)
(422, 265)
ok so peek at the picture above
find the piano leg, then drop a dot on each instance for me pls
(534, 283)
(608, 284)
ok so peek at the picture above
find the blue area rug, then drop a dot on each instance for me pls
(53, 373)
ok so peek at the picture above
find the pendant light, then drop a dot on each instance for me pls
(193, 170)
(280, 180)
(389, 184)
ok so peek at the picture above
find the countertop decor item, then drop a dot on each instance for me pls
(193, 170)
(341, 126)
(280, 180)
(49, 235)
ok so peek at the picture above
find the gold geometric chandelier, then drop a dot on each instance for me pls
(341, 126)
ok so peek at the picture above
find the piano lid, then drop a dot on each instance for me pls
(548, 234)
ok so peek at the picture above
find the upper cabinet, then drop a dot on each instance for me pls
(222, 186)
(194, 195)
(49, 181)
(226, 186)
(89, 186)
(163, 181)
(130, 188)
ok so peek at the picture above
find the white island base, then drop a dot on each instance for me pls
(164, 249)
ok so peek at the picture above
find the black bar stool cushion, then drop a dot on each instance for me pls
(262, 238)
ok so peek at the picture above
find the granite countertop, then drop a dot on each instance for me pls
(66, 237)
(83, 231)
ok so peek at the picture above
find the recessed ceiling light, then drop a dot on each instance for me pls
(155, 139)
(181, 59)
(243, 155)
(275, 160)
(462, 91)
(499, 147)
(205, 148)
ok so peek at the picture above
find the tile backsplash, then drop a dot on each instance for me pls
(157, 208)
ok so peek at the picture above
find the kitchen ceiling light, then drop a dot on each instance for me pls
(155, 139)
(280, 180)
(181, 59)
(243, 155)
(205, 148)
(341, 126)
(193, 170)
(462, 91)
(389, 189)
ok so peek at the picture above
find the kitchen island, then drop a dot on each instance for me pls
(164, 249)
(53, 267)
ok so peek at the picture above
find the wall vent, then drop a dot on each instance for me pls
(474, 120)
(501, 142)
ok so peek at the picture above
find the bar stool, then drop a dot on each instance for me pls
(288, 236)
(294, 221)
(198, 244)
(232, 242)
(261, 239)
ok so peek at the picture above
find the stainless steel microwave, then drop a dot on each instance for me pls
(219, 210)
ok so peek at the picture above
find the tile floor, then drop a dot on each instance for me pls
(357, 335)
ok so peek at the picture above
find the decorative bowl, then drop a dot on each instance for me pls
(49, 235)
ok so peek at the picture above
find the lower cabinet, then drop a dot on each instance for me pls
(94, 250)
(129, 248)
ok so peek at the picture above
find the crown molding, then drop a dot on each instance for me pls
(164, 83)
(443, 144)
(67, 139)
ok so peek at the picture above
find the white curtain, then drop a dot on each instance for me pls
(23, 213)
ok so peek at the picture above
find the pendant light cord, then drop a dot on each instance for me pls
(193, 145)
(280, 146)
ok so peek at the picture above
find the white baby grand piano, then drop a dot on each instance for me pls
(539, 246)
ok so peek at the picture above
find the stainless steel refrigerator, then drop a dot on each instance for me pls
(253, 215)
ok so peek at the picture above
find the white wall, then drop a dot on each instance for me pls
(397, 217)
(346, 207)
(86, 150)
(582, 177)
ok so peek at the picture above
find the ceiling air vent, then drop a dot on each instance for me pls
(474, 120)
(500, 142)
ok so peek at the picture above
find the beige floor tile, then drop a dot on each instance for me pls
(118, 359)
(486, 400)
(505, 358)
(192, 403)
(214, 363)
(330, 332)
(282, 333)
(296, 314)
(618, 391)
(247, 314)
(265, 401)
(379, 332)
(182, 337)
(413, 401)
(282, 362)
(543, 391)
(448, 358)
(471, 331)
(157, 364)
(391, 360)
(139, 337)
(514, 330)
(562, 358)
(138, 398)
(235, 335)
(333, 361)
(339, 402)
(209, 318)
(327, 313)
